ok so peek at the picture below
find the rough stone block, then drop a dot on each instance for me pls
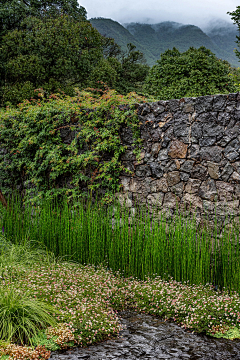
(135, 185)
(187, 166)
(211, 153)
(178, 150)
(227, 208)
(184, 176)
(155, 149)
(125, 181)
(173, 178)
(208, 190)
(194, 152)
(155, 199)
(213, 170)
(207, 141)
(162, 185)
(178, 188)
(219, 102)
(199, 172)
(157, 109)
(163, 155)
(227, 172)
(188, 108)
(156, 169)
(235, 176)
(224, 190)
(170, 200)
(192, 186)
(181, 131)
(143, 170)
(193, 201)
(203, 103)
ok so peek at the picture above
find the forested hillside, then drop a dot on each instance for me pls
(112, 29)
(223, 34)
(154, 39)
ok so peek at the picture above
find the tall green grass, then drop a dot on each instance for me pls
(145, 244)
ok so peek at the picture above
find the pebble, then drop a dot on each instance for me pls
(148, 337)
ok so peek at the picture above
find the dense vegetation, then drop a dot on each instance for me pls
(122, 36)
(60, 304)
(194, 72)
(54, 47)
(38, 157)
(51, 53)
(60, 127)
(13, 12)
(235, 16)
(137, 244)
(51, 46)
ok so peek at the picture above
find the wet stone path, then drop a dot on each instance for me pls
(147, 337)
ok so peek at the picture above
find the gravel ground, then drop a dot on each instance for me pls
(147, 337)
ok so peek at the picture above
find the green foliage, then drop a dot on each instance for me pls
(125, 72)
(13, 12)
(88, 296)
(60, 52)
(107, 72)
(25, 253)
(48, 53)
(235, 16)
(133, 71)
(122, 36)
(195, 72)
(16, 93)
(43, 340)
(21, 316)
(229, 333)
(146, 244)
(235, 77)
(38, 157)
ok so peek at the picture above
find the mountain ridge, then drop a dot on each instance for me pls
(154, 39)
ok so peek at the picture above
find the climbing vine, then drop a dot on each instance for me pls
(63, 144)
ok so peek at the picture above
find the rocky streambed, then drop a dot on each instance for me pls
(147, 337)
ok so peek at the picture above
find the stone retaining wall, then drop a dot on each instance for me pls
(191, 155)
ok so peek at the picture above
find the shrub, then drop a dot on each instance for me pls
(194, 72)
(37, 157)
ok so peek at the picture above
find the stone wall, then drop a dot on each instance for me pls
(191, 155)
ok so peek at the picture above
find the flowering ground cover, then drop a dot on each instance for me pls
(86, 299)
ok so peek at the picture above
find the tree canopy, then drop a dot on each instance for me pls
(13, 12)
(50, 52)
(235, 16)
(194, 72)
(123, 71)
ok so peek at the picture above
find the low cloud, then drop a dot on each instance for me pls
(154, 11)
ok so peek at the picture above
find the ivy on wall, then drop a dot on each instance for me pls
(36, 156)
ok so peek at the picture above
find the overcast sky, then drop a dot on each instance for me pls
(197, 12)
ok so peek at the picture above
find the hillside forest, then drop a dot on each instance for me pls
(52, 46)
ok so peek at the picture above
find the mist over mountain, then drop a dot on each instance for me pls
(223, 34)
(112, 29)
(153, 39)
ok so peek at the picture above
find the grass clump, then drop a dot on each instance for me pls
(21, 316)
